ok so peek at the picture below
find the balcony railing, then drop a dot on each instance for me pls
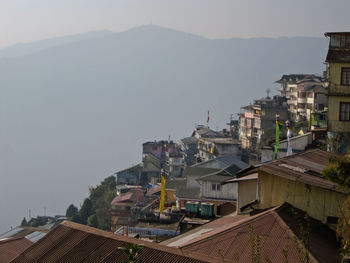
(302, 100)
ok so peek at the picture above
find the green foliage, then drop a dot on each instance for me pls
(24, 222)
(39, 221)
(76, 218)
(255, 244)
(71, 211)
(338, 170)
(343, 227)
(92, 221)
(132, 251)
(85, 211)
(94, 211)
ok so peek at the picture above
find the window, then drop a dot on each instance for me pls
(215, 187)
(302, 94)
(344, 113)
(345, 76)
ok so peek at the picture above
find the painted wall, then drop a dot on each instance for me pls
(298, 143)
(334, 125)
(247, 192)
(317, 202)
(228, 191)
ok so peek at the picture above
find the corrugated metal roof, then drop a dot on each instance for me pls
(338, 55)
(253, 176)
(122, 198)
(12, 247)
(11, 232)
(71, 242)
(35, 236)
(304, 167)
(278, 230)
(193, 170)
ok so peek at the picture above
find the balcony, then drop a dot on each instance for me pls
(338, 90)
(302, 100)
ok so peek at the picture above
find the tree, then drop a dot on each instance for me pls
(338, 171)
(71, 211)
(132, 251)
(24, 222)
(85, 211)
(92, 221)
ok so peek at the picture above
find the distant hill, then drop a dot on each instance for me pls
(22, 49)
(74, 110)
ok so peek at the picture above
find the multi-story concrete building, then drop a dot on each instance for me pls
(304, 93)
(338, 59)
(258, 120)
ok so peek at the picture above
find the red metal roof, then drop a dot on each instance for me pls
(12, 247)
(277, 229)
(71, 242)
(121, 198)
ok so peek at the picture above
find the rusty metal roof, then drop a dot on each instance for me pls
(278, 229)
(122, 198)
(253, 176)
(72, 242)
(12, 247)
(304, 167)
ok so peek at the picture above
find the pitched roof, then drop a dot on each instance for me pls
(175, 183)
(188, 193)
(154, 190)
(189, 140)
(342, 56)
(132, 168)
(215, 178)
(304, 167)
(72, 242)
(253, 176)
(279, 230)
(295, 77)
(186, 237)
(199, 171)
(12, 247)
(122, 198)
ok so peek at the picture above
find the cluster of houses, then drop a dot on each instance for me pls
(219, 205)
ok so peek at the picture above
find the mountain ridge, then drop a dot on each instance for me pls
(72, 114)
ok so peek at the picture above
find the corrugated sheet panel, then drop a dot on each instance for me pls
(278, 231)
(71, 242)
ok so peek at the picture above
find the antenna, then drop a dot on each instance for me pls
(268, 92)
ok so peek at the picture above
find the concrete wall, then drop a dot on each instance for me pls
(298, 143)
(317, 202)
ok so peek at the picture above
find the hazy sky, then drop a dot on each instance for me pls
(30, 20)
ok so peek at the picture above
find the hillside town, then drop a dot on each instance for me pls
(255, 191)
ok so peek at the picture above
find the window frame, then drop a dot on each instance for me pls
(340, 112)
(341, 77)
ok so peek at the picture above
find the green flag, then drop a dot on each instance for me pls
(277, 144)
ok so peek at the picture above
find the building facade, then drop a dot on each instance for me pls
(338, 59)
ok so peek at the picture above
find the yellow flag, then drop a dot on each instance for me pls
(162, 194)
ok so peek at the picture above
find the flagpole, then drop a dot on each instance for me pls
(277, 144)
